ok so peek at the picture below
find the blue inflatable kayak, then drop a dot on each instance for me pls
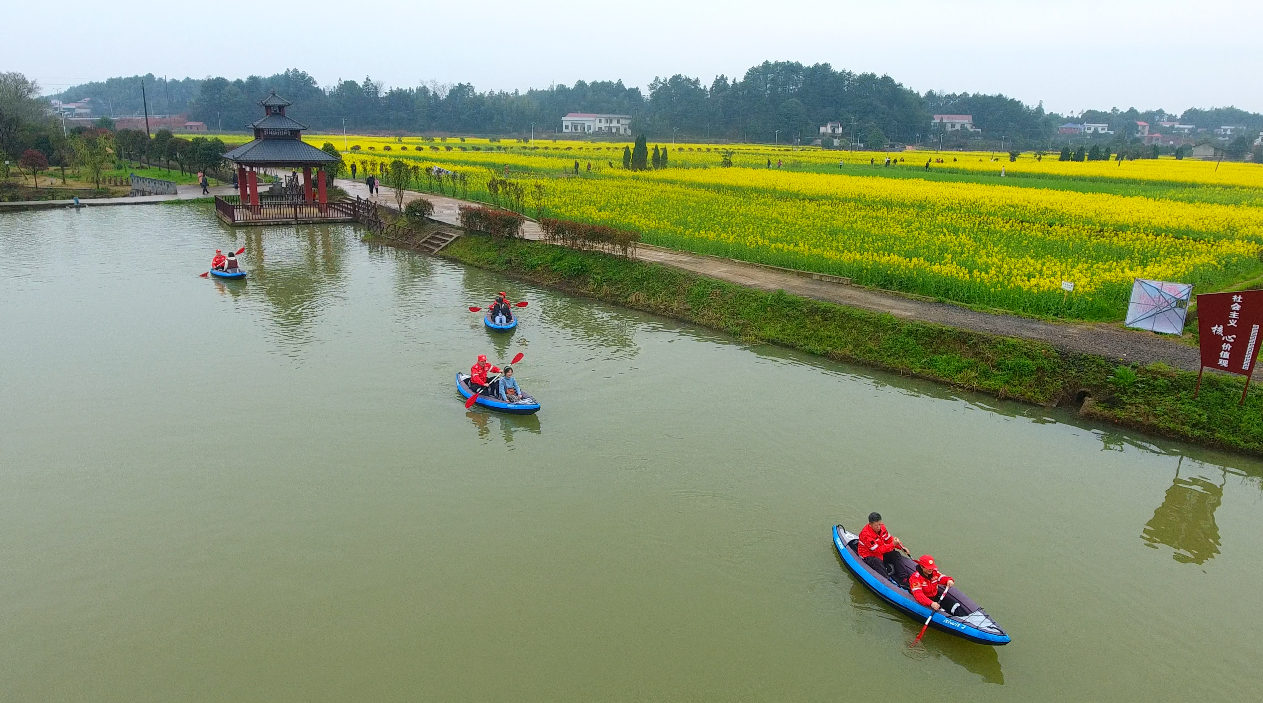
(977, 626)
(486, 320)
(239, 273)
(528, 405)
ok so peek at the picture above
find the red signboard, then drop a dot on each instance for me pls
(1228, 330)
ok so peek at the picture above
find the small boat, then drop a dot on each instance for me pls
(977, 626)
(239, 273)
(486, 320)
(527, 406)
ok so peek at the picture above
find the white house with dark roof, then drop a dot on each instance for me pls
(592, 123)
(955, 123)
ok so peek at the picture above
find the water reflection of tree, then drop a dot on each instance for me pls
(1186, 519)
(295, 286)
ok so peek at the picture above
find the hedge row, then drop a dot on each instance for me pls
(497, 223)
(580, 235)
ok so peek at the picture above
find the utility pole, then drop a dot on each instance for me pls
(145, 101)
(775, 136)
(852, 135)
(532, 131)
(673, 130)
(343, 134)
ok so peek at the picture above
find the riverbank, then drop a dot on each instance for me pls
(1153, 398)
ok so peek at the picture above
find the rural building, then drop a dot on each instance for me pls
(1259, 140)
(83, 108)
(1226, 131)
(588, 123)
(193, 127)
(1094, 128)
(955, 123)
(1142, 129)
(832, 128)
(1070, 128)
(1206, 151)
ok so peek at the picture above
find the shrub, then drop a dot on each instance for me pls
(355, 147)
(386, 148)
(580, 235)
(418, 210)
(497, 223)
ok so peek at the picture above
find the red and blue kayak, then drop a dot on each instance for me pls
(239, 273)
(977, 626)
(526, 406)
(491, 325)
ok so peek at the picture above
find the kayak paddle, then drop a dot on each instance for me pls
(927, 620)
(475, 308)
(520, 304)
(474, 398)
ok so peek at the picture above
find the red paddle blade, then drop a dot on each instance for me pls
(474, 309)
(472, 399)
(517, 358)
(203, 275)
(240, 251)
(521, 304)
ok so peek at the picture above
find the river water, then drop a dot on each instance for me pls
(270, 491)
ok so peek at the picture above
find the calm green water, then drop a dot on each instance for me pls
(269, 491)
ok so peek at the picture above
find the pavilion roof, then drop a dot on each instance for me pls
(274, 100)
(279, 152)
(277, 122)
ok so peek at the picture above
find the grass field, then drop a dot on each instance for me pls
(960, 232)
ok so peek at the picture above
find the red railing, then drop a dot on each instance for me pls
(236, 213)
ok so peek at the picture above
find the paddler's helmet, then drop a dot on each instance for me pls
(482, 358)
(217, 251)
(926, 562)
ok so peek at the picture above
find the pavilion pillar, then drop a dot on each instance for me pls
(254, 187)
(241, 184)
(307, 185)
(321, 192)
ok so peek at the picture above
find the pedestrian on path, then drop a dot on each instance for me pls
(352, 171)
(205, 185)
(576, 168)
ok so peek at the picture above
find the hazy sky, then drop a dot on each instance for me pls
(1072, 54)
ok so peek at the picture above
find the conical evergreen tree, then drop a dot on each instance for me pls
(657, 158)
(663, 163)
(640, 155)
(626, 157)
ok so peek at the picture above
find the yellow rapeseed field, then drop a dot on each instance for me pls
(989, 244)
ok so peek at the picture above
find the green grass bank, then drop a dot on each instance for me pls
(1154, 399)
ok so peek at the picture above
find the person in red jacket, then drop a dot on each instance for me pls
(930, 588)
(478, 375)
(217, 263)
(877, 547)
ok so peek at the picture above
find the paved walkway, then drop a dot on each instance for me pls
(182, 192)
(1104, 339)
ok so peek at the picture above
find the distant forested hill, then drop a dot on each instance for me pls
(774, 100)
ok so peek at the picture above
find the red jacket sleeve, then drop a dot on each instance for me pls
(915, 582)
(494, 369)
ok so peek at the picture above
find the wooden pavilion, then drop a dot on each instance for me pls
(278, 144)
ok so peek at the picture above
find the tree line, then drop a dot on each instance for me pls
(34, 141)
(779, 101)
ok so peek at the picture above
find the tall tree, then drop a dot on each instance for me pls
(33, 161)
(657, 158)
(20, 108)
(626, 157)
(640, 154)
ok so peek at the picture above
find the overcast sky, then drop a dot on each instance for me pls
(1071, 54)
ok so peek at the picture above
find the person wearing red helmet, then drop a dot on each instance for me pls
(878, 548)
(930, 587)
(217, 263)
(478, 375)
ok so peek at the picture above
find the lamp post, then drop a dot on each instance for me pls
(343, 134)
(775, 136)
(673, 131)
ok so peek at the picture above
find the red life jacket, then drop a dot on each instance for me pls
(875, 543)
(478, 373)
(926, 590)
